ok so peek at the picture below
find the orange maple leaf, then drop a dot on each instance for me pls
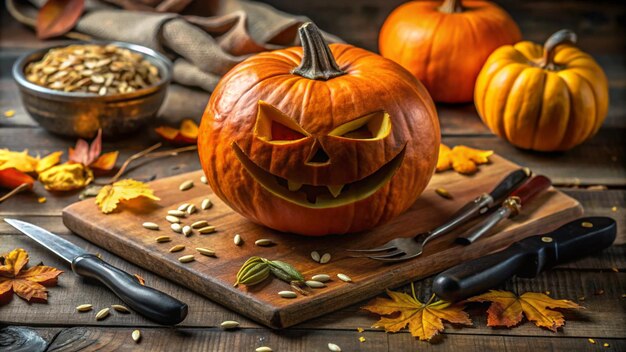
(506, 308)
(462, 159)
(425, 320)
(186, 134)
(30, 284)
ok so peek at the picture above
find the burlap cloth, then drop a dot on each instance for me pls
(204, 38)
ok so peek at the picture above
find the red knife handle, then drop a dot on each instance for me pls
(531, 188)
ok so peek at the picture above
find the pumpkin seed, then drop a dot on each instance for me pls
(206, 230)
(163, 239)
(237, 240)
(315, 256)
(183, 207)
(204, 180)
(206, 251)
(102, 314)
(320, 277)
(586, 224)
(206, 204)
(199, 224)
(287, 294)
(177, 213)
(186, 185)
(186, 258)
(325, 258)
(177, 248)
(443, 193)
(314, 284)
(120, 308)
(187, 231)
(344, 277)
(136, 335)
(229, 324)
(333, 348)
(172, 219)
(150, 226)
(191, 209)
(84, 308)
(263, 242)
(176, 227)
(264, 349)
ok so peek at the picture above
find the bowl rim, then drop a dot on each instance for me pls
(161, 61)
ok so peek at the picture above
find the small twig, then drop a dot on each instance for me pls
(171, 152)
(14, 191)
(122, 169)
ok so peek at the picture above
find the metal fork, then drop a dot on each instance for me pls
(403, 248)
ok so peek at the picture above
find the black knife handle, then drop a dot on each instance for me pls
(509, 184)
(147, 301)
(526, 258)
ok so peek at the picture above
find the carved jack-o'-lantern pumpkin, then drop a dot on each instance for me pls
(319, 140)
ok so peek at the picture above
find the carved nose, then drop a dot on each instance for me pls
(318, 155)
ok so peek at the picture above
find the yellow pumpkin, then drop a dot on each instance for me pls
(548, 98)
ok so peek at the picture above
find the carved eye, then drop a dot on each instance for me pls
(374, 126)
(274, 126)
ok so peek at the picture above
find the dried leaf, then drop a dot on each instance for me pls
(109, 196)
(18, 160)
(462, 159)
(13, 178)
(140, 279)
(90, 155)
(186, 134)
(48, 161)
(506, 308)
(424, 320)
(30, 284)
(57, 17)
(105, 162)
(66, 177)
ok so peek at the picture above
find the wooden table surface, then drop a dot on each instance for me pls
(594, 173)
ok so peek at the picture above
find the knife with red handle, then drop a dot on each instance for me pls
(511, 206)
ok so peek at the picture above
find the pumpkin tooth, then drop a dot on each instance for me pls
(293, 186)
(335, 189)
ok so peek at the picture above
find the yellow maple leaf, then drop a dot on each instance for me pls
(506, 308)
(18, 160)
(66, 177)
(30, 284)
(424, 320)
(462, 159)
(48, 161)
(109, 196)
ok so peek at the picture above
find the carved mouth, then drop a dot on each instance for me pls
(327, 196)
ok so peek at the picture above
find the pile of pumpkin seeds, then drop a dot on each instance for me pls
(98, 69)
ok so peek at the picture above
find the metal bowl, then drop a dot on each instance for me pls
(81, 114)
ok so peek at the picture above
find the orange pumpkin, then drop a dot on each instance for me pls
(319, 140)
(546, 98)
(445, 45)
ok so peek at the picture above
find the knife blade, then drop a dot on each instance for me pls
(526, 258)
(149, 302)
(511, 206)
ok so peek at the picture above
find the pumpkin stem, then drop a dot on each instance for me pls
(318, 61)
(564, 36)
(451, 6)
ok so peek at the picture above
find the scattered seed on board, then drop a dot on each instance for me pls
(287, 294)
(177, 213)
(183, 207)
(315, 256)
(186, 185)
(321, 278)
(150, 226)
(177, 248)
(344, 277)
(172, 219)
(237, 240)
(443, 193)
(186, 258)
(263, 242)
(206, 251)
(333, 348)
(314, 284)
(191, 209)
(136, 335)
(325, 258)
(206, 230)
(120, 308)
(204, 180)
(163, 239)
(84, 308)
(264, 349)
(199, 224)
(187, 231)
(102, 314)
(206, 204)
(176, 227)
(229, 324)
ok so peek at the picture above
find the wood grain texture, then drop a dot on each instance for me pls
(122, 233)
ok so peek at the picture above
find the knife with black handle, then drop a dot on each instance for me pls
(526, 258)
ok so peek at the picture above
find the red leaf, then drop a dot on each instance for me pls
(12, 178)
(57, 17)
(95, 149)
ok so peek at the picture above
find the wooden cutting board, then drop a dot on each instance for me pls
(123, 234)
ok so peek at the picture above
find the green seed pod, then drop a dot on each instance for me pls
(253, 271)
